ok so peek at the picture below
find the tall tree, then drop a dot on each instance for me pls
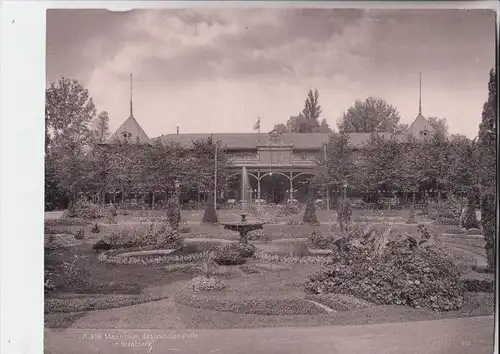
(312, 109)
(69, 110)
(487, 171)
(371, 115)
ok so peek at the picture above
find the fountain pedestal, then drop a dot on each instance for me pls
(243, 227)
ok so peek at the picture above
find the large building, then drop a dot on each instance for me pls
(277, 165)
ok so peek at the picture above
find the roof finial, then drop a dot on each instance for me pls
(420, 96)
(131, 111)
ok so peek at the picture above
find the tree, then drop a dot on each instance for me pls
(440, 125)
(281, 128)
(69, 109)
(486, 154)
(312, 109)
(101, 127)
(384, 163)
(463, 167)
(371, 115)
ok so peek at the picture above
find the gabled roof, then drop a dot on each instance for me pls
(130, 131)
(251, 140)
(420, 124)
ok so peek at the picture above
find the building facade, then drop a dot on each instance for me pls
(270, 166)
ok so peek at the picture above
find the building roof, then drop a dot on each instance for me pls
(419, 125)
(130, 131)
(251, 140)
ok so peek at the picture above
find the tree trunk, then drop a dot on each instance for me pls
(153, 201)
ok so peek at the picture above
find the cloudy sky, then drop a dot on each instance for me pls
(217, 70)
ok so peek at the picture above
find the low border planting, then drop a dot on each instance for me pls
(79, 304)
(271, 257)
(268, 307)
(118, 259)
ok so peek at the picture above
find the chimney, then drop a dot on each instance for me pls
(177, 130)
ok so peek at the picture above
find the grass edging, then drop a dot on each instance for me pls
(268, 307)
(81, 304)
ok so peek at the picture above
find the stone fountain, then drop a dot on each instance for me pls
(243, 227)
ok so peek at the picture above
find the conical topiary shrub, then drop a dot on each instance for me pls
(310, 212)
(210, 215)
(173, 213)
(470, 220)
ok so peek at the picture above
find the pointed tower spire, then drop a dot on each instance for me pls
(131, 110)
(420, 96)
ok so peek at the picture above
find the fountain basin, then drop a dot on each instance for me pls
(243, 227)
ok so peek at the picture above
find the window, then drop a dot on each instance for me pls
(424, 133)
(126, 135)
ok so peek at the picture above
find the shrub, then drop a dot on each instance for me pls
(206, 284)
(478, 285)
(111, 210)
(80, 234)
(411, 216)
(402, 271)
(470, 220)
(488, 220)
(258, 235)
(168, 239)
(173, 213)
(310, 212)
(344, 213)
(229, 255)
(446, 212)
(317, 240)
(96, 229)
(210, 215)
(185, 228)
(48, 285)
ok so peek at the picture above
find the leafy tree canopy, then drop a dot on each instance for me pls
(371, 115)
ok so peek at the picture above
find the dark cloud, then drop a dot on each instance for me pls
(274, 43)
(69, 31)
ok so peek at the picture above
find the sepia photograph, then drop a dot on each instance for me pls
(270, 179)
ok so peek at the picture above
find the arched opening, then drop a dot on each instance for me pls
(235, 187)
(273, 187)
(301, 183)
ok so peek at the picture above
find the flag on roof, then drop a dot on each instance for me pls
(257, 125)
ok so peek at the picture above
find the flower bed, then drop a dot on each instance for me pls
(269, 257)
(270, 307)
(117, 259)
(400, 270)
